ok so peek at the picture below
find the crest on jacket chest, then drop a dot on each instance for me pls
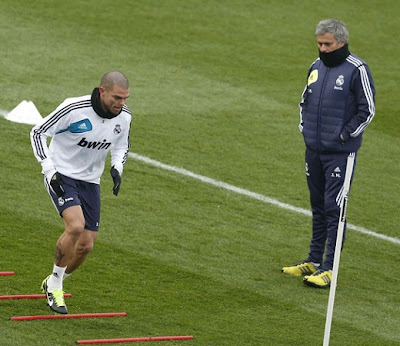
(339, 83)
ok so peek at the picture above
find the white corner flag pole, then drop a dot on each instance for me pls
(338, 247)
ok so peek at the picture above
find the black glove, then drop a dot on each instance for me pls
(116, 179)
(56, 182)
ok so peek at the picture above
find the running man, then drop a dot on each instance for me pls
(82, 130)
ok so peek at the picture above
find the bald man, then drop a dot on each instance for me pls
(83, 130)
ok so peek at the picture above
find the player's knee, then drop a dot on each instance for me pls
(75, 229)
(84, 248)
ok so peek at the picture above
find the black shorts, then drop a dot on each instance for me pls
(78, 192)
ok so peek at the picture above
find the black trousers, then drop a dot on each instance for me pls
(325, 174)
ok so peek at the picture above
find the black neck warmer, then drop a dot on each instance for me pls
(96, 104)
(336, 57)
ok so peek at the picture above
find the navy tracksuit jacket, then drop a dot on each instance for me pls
(337, 105)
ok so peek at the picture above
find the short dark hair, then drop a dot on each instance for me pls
(114, 77)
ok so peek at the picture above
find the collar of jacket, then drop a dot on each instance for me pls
(336, 57)
(96, 104)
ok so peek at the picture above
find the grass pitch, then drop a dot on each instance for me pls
(215, 90)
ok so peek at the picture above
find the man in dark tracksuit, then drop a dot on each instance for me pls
(337, 105)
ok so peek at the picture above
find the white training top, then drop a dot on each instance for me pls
(81, 140)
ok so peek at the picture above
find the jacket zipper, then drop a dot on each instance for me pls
(319, 108)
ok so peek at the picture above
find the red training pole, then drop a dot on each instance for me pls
(140, 339)
(29, 296)
(50, 317)
(6, 273)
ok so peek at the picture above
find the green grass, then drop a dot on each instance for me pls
(215, 90)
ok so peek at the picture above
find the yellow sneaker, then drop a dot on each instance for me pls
(320, 279)
(55, 298)
(302, 268)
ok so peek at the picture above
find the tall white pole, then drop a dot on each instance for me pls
(338, 247)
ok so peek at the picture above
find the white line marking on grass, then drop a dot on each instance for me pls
(250, 194)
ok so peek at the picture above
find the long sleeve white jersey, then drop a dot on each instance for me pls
(81, 140)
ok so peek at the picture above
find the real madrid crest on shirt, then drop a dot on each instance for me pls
(339, 83)
(117, 129)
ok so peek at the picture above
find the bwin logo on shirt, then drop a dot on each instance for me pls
(94, 145)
